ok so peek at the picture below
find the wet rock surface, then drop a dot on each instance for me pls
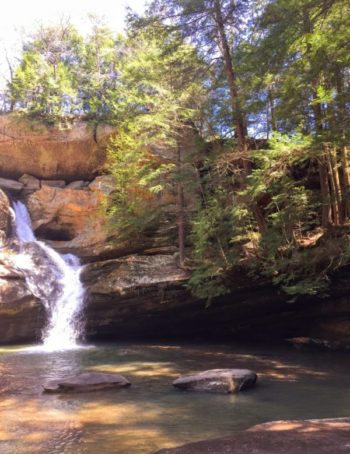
(5, 218)
(86, 382)
(22, 315)
(315, 344)
(223, 381)
(280, 437)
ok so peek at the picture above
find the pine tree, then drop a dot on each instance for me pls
(162, 90)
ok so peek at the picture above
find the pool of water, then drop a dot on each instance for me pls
(151, 414)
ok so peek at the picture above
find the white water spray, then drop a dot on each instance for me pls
(53, 278)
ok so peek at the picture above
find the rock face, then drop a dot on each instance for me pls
(134, 286)
(5, 218)
(30, 184)
(12, 186)
(328, 436)
(134, 272)
(71, 219)
(223, 381)
(130, 296)
(89, 381)
(77, 152)
(21, 314)
(104, 184)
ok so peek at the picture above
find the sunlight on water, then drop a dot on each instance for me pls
(55, 280)
(47, 348)
(151, 414)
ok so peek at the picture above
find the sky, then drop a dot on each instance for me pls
(20, 15)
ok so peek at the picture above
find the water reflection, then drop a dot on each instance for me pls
(151, 414)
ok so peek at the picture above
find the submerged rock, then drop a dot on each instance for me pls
(224, 381)
(327, 436)
(88, 381)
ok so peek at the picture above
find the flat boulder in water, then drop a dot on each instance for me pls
(224, 381)
(88, 381)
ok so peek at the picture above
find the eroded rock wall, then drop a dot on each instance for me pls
(29, 147)
(21, 314)
(135, 288)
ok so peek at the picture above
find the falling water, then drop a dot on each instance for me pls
(55, 280)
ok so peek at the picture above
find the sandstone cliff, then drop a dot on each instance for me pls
(134, 287)
(55, 173)
(28, 147)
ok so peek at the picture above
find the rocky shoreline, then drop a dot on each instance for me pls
(321, 436)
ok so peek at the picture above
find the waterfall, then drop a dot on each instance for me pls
(55, 280)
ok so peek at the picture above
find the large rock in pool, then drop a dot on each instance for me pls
(224, 381)
(88, 381)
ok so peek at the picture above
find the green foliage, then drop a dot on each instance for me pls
(62, 75)
(291, 212)
(99, 73)
(226, 236)
(160, 94)
(212, 255)
(133, 208)
(268, 208)
(45, 84)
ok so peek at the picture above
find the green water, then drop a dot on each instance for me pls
(151, 414)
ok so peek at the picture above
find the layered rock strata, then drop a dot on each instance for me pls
(134, 287)
(72, 153)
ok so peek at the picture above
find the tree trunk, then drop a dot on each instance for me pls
(335, 185)
(273, 121)
(12, 101)
(318, 118)
(325, 193)
(346, 180)
(240, 121)
(180, 210)
(204, 199)
(259, 217)
(232, 83)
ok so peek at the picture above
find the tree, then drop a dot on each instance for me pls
(161, 93)
(99, 72)
(213, 26)
(311, 64)
(45, 82)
